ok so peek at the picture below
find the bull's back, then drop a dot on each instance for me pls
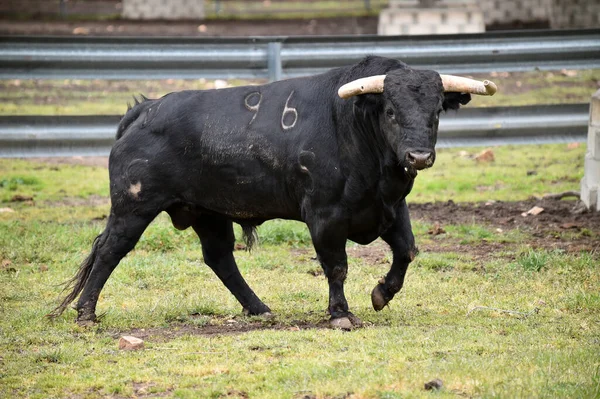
(232, 151)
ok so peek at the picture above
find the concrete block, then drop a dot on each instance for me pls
(595, 109)
(448, 18)
(592, 170)
(429, 17)
(590, 183)
(593, 142)
(589, 195)
(457, 17)
(397, 16)
(163, 9)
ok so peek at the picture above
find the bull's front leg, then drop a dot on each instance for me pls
(402, 242)
(329, 240)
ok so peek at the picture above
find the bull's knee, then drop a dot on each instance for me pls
(337, 273)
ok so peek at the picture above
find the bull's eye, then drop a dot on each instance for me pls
(389, 112)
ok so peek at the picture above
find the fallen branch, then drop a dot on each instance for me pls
(559, 196)
(524, 314)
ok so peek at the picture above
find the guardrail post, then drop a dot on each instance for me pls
(590, 184)
(274, 61)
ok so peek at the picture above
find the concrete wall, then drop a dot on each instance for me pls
(508, 11)
(163, 9)
(590, 184)
(409, 17)
(575, 14)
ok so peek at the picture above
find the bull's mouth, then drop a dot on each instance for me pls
(410, 171)
(417, 160)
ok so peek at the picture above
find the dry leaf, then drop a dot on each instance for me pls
(436, 229)
(486, 155)
(570, 225)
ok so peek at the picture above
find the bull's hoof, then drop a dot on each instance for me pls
(377, 298)
(356, 322)
(85, 323)
(86, 319)
(265, 315)
(346, 323)
(341, 323)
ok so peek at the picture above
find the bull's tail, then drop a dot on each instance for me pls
(250, 235)
(132, 114)
(76, 284)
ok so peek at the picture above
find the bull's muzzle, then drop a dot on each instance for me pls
(420, 159)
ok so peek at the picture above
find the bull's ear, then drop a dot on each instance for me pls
(455, 100)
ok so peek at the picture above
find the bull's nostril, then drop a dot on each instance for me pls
(420, 160)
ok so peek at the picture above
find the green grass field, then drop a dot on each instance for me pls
(198, 344)
(492, 312)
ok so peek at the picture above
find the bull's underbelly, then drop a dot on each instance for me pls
(370, 223)
(240, 196)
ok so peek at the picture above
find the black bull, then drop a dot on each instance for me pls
(291, 149)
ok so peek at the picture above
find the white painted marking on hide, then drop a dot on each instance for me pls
(135, 189)
(254, 108)
(290, 110)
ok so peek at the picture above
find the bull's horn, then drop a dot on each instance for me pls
(370, 84)
(466, 85)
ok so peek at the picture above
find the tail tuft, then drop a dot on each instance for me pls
(77, 283)
(250, 236)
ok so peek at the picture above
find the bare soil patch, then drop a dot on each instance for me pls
(218, 326)
(557, 214)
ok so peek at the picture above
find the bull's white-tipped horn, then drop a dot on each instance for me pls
(466, 85)
(370, 84)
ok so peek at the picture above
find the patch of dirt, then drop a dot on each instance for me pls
(376, 253)
(217, 327)
(557, 216)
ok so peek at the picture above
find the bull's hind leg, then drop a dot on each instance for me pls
(120, 236)
(218, 240)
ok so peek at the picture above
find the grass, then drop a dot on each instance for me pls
(290, 9)
(517, 173)
(164, 290)
(229, 9)
(97, 97)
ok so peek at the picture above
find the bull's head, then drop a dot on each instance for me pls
(409, 109)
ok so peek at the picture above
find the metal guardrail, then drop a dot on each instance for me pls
(281, 57)
(42, 136)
